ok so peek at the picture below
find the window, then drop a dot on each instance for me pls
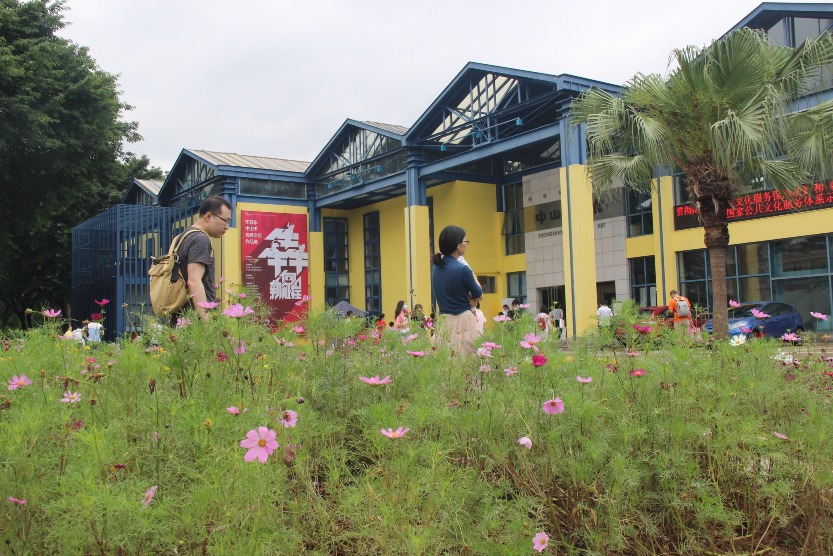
(372, 263)
(336, 264)
(488, 284)
(640, 214)
(532, 156)
(516, 286)
(513, 218)
(643, 281)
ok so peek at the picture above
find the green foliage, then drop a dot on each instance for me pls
(681, 460)
(61, 157)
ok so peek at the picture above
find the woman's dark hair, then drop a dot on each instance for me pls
(450, 238)
(398, 308)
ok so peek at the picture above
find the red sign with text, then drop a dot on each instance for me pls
(275, 259)
(764, 203)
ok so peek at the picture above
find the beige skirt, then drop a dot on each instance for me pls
(458, 331)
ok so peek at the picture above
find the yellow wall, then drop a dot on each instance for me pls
(579, 249)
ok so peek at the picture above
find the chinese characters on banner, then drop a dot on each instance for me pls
(764, 203)
(275, 258)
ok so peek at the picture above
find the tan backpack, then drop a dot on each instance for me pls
(168, 291)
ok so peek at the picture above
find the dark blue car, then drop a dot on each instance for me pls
(783, 318)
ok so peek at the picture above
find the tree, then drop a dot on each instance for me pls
(61, 152)
(725, 117)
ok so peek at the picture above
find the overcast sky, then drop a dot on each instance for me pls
(277, 78)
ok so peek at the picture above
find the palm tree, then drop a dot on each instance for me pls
(725, 117)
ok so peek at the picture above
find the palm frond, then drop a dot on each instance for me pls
(810, 140)
(636, 171)
(798, 71)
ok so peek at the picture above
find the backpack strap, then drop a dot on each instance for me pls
(177, 242)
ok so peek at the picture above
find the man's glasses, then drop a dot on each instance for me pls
(466, 241)
(226, 220)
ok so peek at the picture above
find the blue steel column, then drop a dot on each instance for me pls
(313, 210)
(229, 189)
(414, 187)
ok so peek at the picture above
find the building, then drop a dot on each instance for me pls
(495, 154)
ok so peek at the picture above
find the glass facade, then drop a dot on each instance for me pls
(643, 281)
(798, 271)
(513, 218)
(533, 156)
(372, 263)
(516, 286)
(273, 188)
(639, 213)
(336, 264)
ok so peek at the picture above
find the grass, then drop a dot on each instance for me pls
(682, 460)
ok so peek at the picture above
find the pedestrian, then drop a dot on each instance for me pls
(400, 317)
(542, 319)
(681, 307)
(197, 257)
(455, 290)
(94, 329)
(557, 317)
(604, 313)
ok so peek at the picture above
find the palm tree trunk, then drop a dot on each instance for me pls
(716, 238)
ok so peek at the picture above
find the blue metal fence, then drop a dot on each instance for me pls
(110, 259)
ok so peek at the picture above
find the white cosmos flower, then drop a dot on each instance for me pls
(737, 340)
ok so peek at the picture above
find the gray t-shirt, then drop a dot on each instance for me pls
(196, 248)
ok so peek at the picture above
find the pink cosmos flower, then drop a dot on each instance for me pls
(530, 340)
(21, 381)
(222, 279)
(553, 407)
(790, 337)
(501, 318)
(149, 496)
(240, 348)
(490, 345)
(376, 380)
(237, 311)
(398, 433)
(233, 410)
(484, 352)
(416, 353)
(745, 330)
(539, 360)
(525, 442)
(182, 322)
(221, 356)
(733, 303)
(51, 314)
(14, 500)
(305, 299)
(243, 296)
(409, 339)
(510, 371)
(584, 380)
(820, 316)
(630, 353)
(540, 541)
(103, 302)
(298, 329)
(639, 373)
(643, 329)
(759, 314)
(71, 397)
(485, 368)
(208, 304)
(289, 419)
(260, 443)
(781, 436)
(523, 306)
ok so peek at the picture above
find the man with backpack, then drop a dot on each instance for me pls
(196, 257)
(681, 307)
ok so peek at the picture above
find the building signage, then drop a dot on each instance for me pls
(763, 204)
(275, 258)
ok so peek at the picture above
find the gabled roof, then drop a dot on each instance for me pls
(502, 84)
(389, 130)
(152, 187)
(234, 160)
(769, 13)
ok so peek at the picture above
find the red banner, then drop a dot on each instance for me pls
(275, 259)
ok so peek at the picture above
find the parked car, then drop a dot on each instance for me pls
(782, 318)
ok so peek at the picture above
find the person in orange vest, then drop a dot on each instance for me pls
(681, 307)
